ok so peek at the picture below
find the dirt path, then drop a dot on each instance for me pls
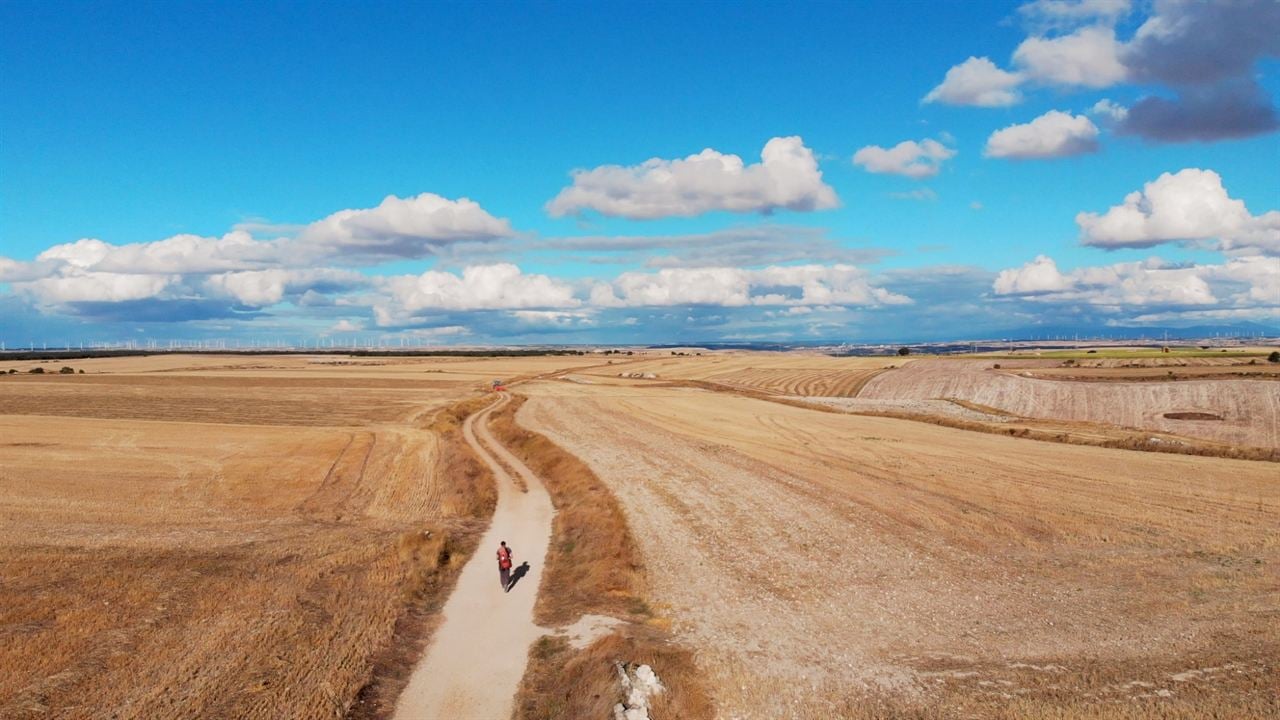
(477, 657)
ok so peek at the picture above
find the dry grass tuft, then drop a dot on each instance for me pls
(434, 559)
(565, 683)
(468, 490)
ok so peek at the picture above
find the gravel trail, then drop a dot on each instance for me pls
(476, 658)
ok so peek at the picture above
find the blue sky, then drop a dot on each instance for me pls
(180, 170)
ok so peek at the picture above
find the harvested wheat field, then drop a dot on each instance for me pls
(249, 537)
(275, 536)
(775, 373)
(1173, 367)
(827, 565)
(1248, 410)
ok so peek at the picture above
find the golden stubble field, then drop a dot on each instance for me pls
(220, 536)
(1218, 401)
(774, 373)
(216, 536)
(827, 565)
(1246, 409)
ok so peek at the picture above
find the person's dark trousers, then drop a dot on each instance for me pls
(504, 575)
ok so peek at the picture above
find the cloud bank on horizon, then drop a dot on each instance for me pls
(712, 244)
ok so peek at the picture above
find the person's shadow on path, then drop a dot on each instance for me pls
(520, 572)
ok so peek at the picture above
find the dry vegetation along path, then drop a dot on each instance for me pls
(476, 659)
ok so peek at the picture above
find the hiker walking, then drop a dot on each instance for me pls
(504, 565)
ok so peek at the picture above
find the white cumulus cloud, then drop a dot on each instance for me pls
(397, 228)
(1205, 53)
(676, 286)
(1054, 134)
(260, 288)
(787, 177)
(212, 274)
(977, 81)
(1255, 279)
(21, 271)
(478, 287)
(1038, 276)
(1242, 283)
(736, 287)
(1146, 283)
(1057, 14)
(236, 250)
(83, 253)
(404, 227)
(345, 326)
(1189, 205)
(78, 286)
(180, 254)
(68, 273)
(910, 158)
(1088, 57)
(1108, 109)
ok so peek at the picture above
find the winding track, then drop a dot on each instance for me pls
(475, 661)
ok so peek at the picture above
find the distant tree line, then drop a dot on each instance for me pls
(66, 370)
(88, 354)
